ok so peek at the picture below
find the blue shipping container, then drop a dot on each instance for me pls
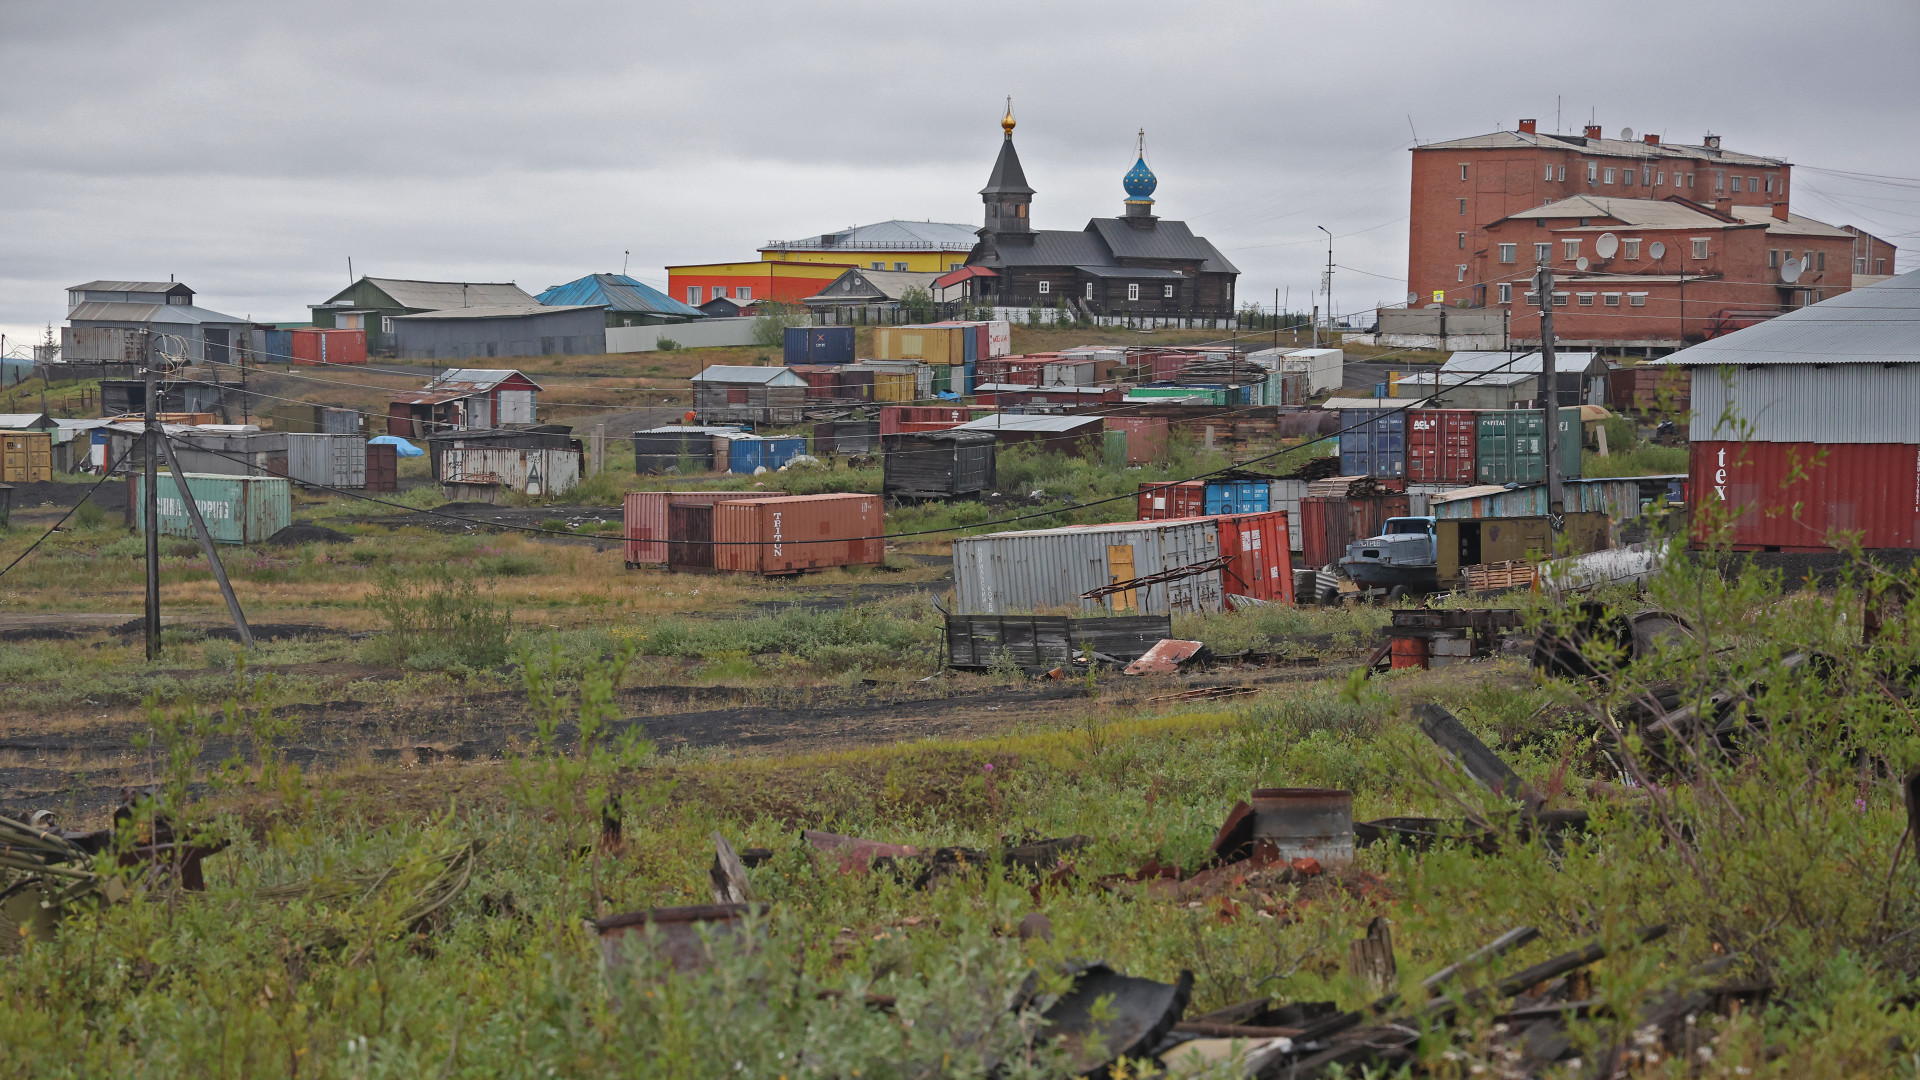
(818, 345)
(1372, 444)
(1238, 496)
(970, 341)
(279, 346)
(972, 378)
(747, 455)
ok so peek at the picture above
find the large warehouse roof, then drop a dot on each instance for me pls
(1879, 324)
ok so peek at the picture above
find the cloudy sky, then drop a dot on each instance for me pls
(251, 149)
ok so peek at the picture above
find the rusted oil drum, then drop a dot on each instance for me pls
(1409, 652)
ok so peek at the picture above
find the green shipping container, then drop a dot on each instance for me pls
(942, 378)
(1114, 449)
(1197, 393)
(1511, 446)
(237, 509)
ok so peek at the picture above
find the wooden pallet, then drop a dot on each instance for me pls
(1492, 577)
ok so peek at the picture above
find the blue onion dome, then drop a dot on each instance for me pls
(1140, 180)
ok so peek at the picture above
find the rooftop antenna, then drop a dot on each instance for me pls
(624, 256)
(1557, 129)
(1410, 127)
(349, 269)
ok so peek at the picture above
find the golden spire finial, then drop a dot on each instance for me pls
(1006, 122)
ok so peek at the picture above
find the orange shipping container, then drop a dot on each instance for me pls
(1262, 566)
(646, 519)
(799, 533)
(320, 346)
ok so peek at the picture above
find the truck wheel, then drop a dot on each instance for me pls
(1329, 596)
(1396, 594)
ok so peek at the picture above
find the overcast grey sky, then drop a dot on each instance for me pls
(250, 148)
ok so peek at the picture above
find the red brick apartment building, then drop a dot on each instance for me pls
(1653, 244)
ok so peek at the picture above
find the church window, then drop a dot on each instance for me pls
(1169, 293)
(1133, 290)
(1089, 290)
(1046, 286)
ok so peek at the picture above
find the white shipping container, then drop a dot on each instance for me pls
(1285, 495)
(999, 338)
(337, 461)
(1066, 374)
(1019, 572)
(480, 472)
(1326, 368)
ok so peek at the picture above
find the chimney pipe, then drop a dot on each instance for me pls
(1593, 131)
(1529, 127)
(1652, 140)
(1780, 210)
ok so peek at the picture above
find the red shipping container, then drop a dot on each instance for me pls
(1262, 566)
(646, 518)
(798, 533)
(893, 417)
(1146, 437)
(1186, 499)
(823, 380)
(317, 346)
(1864, 488)
(1329, 523)
(1440, 445)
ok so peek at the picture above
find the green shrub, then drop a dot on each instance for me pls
(436, 619)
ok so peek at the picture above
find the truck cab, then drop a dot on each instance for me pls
(1403, 558)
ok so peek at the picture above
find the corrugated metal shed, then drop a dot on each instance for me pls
(477, 380)
(434, 295)
(1619, 499)
(1846, 403)
(1058, 425)
(1879, 324)
(737, 375)
(1005, 573)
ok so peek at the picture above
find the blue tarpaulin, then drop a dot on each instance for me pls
(404, 448)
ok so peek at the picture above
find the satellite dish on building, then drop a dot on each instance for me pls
(1657, 249)
(1626, 134)
(1606, 245)
(1791, 270)
(1581, 263)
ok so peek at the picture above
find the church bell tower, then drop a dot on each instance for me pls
(1007, 197)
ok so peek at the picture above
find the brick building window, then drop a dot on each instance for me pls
(1626, 177)
(1659, 178)
(1632, 250)
(1533, 298)
(1879, 266)
(1719, 180)
(1563, 172)
(1689, 180)
(1820, 261)
(1559, 299)
(1646, 175)
(1570, 249)
(1611, 299)
(1773, 259)
(1593, 172)
(1542, 253)
(1133, 290)
(1507, 252)
(1549, 172)
(1046, 287)
(1463, 170)
(1506, 292)
(1461, 273)
(1463, 207)
(1463, 240)
(1606, 176)
(1586, 299)
(1636, 299)
(1860, 265)
(1699, 247)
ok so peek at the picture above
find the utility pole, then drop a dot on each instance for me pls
(1326, 281)
(1556, 498)
(150, 511)
(240, 626)
(1276, 318)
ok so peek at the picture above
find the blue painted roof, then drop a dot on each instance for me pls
(619, 292)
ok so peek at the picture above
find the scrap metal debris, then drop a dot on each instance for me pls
(683, 936)
(428, 887)
(928, 866)
(1166, 657)
(1106, 1016)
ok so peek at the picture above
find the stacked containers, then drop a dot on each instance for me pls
(1510, 447)
(1373, 442)
(236, 509)
(1005, 573)
(796, 533)
(818, 345)
(1441, 445)
(1262, 565)
(1237, 497)
(317, 346)
(752, 452)
(646, 519)
(1186, 499)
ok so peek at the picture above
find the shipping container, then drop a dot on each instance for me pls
(818, 345)
(1146, 437)
(646, 520)
(1260, 566)
(823, 381)
(488, 471)
(933, 344)
(752, 452)
(317, 346)
(1510, 445)
(214, 452)
(1185, 499)
(329, 461)
(1441, 445)
(1621, 499)
(1067, 373)
(684, 449)
(893, 416)
(277, 346)
(797, 533)
(1203, 395)
(854, 384)
(1237, 497)
(1286, 388)
(26, 457)
(937, 464)
(1800, 496)
(1012, 572)
(383, 467)
(1373, 442)
(236, 509)
(894, 387)
(1328, 523)
(1285, 496)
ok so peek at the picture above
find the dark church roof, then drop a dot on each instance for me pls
(1007, 177)
(1105, 242)
(1162, 240)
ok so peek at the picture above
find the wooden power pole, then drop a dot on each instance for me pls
(1549, 381)
(150, 506)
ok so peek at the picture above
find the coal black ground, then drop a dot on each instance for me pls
(110, 496)
(80, 768)
(304, 533)
(461, 518)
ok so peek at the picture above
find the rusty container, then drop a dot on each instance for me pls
(797, 533)
(1146, 436)
(1159, 502)
(1262, 562)
(1306, 823)
(1440, 445)
(383, 467)
(646, 521)
(682, 936)
(1409, 652)
(1805, 496)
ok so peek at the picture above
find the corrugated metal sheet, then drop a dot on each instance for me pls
(1510, 446)
(646, 518)
(1237, 497)
(1619, 499)
(1850, 403)
(1285, 496)
(1847, 487)
(1373, 443)
(1262, 565)
(330, 460)
(619, 292)
(1440, 446)
(798, 533)
(1329, 523)
(1879, 324)
(750, 452)
(1005, 573)
(1161, 502)
(236, 509)
(1146, 437)
(529, 471)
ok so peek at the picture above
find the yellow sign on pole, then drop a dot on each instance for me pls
(1439, 296)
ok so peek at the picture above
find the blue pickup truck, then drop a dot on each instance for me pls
(1402, 559)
